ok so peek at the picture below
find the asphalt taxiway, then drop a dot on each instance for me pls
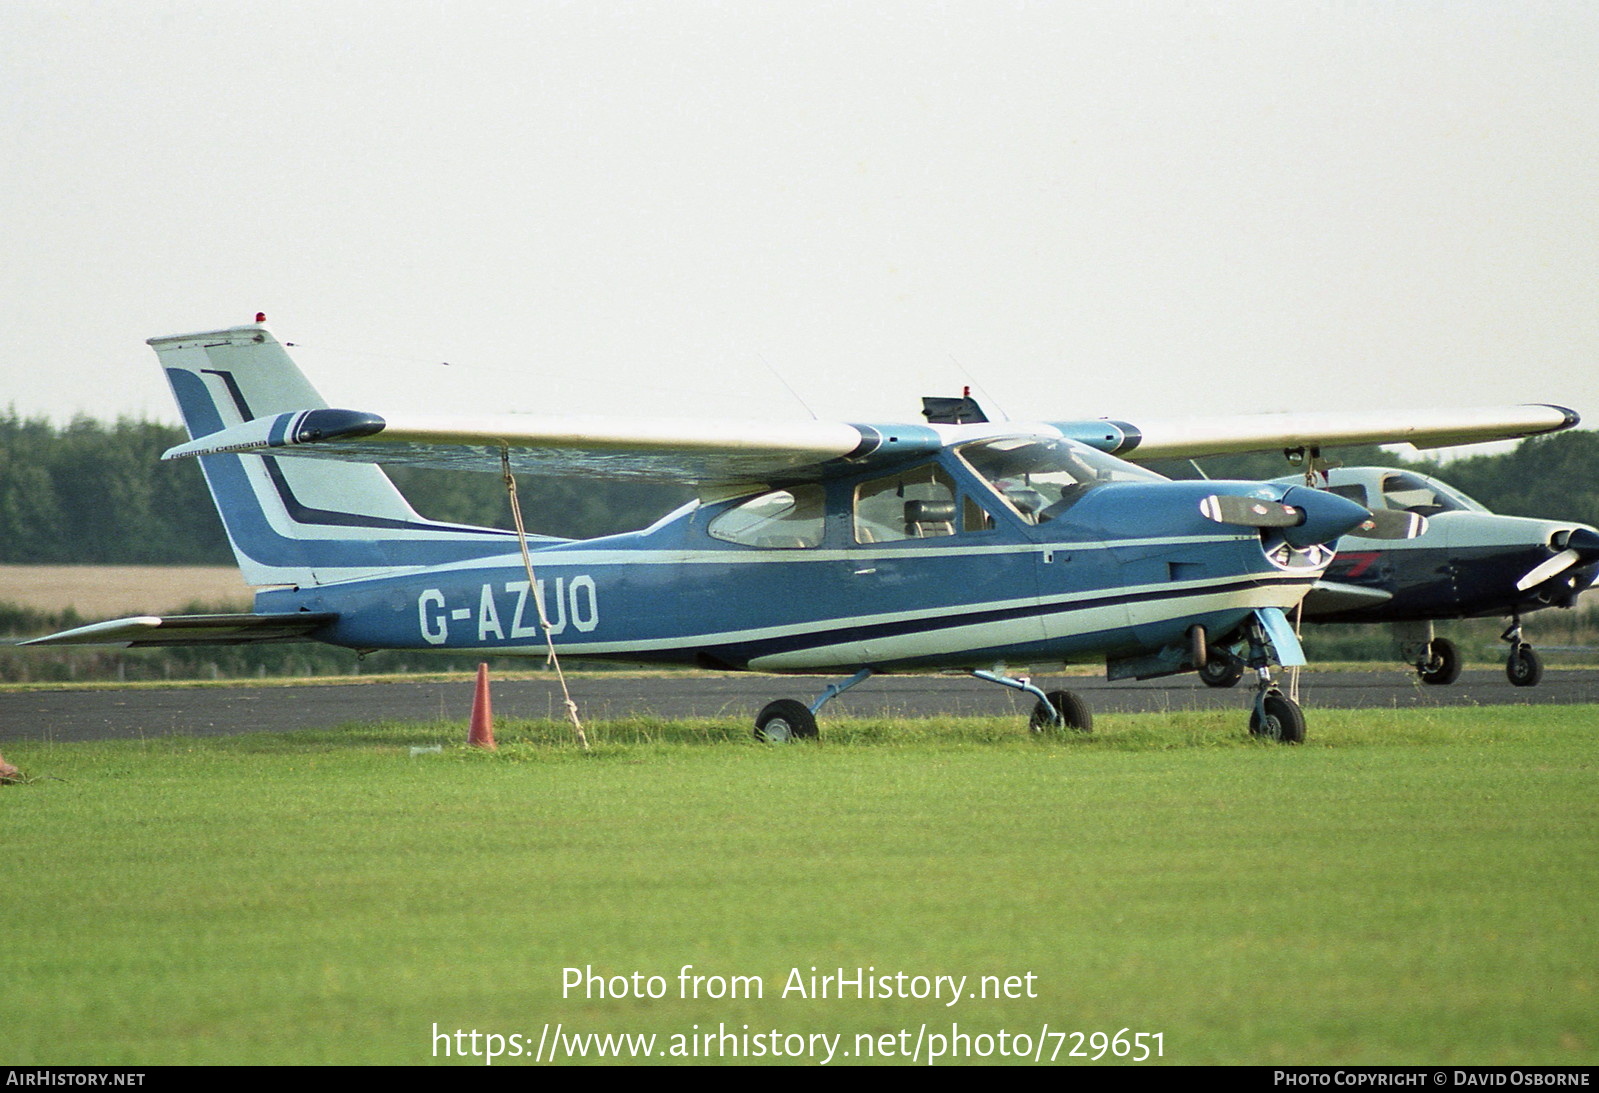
(109, 713)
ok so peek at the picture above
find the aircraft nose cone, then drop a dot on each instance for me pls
(1327, 516)
(1585, 541)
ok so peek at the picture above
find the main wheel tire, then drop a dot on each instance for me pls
(1442, 665)
(1524, 667)
(1221, 669)
(785, 720)
(1284, 721)
(1074, 714)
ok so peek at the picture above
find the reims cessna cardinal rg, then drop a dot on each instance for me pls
(814, 547)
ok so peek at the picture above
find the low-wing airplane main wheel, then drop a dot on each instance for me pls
(783, 720)
(1524, 666)
(1074, 713)
(1442, 664)
(1277, 717)
(1221, 669)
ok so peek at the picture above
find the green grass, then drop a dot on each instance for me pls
(1408, 887)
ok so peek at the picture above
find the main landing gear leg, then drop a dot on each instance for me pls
(1523, 666)
(1055, 710)
(787, 719)
(1275, 716)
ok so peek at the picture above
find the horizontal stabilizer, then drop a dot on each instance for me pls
(146, 630)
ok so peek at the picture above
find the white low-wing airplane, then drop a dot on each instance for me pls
(814, 547)
(1469, 563)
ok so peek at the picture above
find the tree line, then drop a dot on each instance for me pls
(1552, 477)
(93, 492)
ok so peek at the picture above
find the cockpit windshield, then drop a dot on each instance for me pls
(1423, 496)
(1040, 478)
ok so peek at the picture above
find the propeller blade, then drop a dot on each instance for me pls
(1581, 546)
(1250, 512)
(1549, 567)
(1392, 524)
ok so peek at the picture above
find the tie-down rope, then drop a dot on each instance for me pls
(538, 600)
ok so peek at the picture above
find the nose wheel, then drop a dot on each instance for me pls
(1523, 667)
(1277, 717)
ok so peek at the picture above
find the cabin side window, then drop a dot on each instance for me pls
(1354, 492)
(1419, 495)
(914, 504)
(790, 519)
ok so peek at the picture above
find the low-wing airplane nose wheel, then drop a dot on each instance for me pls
(1064, 710)
(1440, 663)
(785, 720)
(1523, 667)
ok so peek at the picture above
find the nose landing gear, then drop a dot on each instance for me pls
(1275, 716)
(1523, 667)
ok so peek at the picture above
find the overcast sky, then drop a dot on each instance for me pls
(1082, 209)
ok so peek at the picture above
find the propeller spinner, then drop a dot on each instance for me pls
(1312, 516)
(1577, 546)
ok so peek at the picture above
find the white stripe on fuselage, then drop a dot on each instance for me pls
(1062, 618)
(602, 556)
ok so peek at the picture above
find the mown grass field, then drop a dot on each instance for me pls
(1408, 887)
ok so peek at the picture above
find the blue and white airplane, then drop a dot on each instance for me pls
(813, 547)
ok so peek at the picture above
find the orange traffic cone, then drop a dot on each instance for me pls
(481, 734)
(8, 773)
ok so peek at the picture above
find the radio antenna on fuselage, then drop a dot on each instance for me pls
(773, 370)
(988, 399)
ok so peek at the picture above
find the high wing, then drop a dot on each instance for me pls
(730, 453)
(1186, 438)
(663, 449)
(713, 454)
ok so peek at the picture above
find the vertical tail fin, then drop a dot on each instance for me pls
(298, 521)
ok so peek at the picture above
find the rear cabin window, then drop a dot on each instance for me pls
(791, 519)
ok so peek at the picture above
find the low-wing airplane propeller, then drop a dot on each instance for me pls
(814, 547)
(1467, 563)
(1576, 546)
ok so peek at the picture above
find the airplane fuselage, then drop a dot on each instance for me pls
(1469, 562)
(1131, 567)
(1465, 566)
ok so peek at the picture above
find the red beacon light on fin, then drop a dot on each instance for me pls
(260, 316)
